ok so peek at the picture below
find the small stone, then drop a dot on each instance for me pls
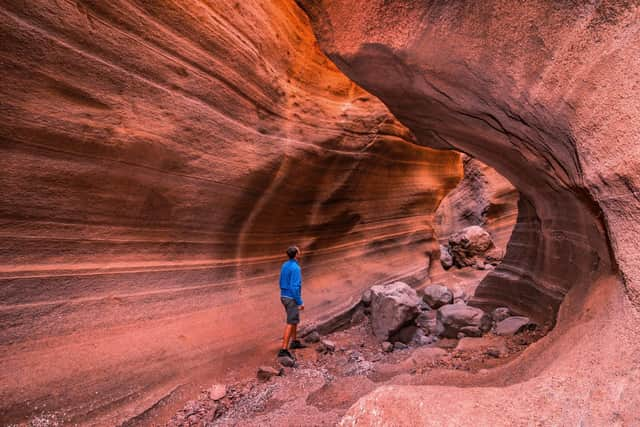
(366, 297)
(286, 361)
(326, 346)
(493, 352)
(266, 372)
(460, 335)
(217, 391)
(500, 313)
(479, 265)
(423, 306)
(400, 346)
(387, 347)
(312, 337)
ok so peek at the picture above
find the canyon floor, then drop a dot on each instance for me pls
(322, 386)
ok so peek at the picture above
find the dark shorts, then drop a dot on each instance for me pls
(293, 313)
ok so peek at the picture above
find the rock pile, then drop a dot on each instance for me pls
(400, 316)
(471, 247)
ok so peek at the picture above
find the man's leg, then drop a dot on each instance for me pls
(289, 331)
(294, 333)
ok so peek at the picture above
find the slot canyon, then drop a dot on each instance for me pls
(157, 158)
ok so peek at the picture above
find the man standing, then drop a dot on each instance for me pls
(290, 288)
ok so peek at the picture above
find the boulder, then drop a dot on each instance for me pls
(454, 317)
(437, 296)
(470, 244)
(392, 307)
(445, 257)
(500, 314)
(512, 325)
(266, 372)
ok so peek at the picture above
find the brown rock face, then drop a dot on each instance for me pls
(156, 160)
(547, 95)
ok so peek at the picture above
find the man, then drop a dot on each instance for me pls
(290, 287)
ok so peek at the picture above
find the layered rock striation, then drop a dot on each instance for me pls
(547, 94)
(156, 160)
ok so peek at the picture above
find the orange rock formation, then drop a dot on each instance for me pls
(156, 160)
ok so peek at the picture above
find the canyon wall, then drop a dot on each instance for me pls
(157, 158)
(548, 94)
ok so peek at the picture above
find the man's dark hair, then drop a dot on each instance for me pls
(292, 251)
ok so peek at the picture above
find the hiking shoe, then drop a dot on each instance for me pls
(297, 344)
(285, 353)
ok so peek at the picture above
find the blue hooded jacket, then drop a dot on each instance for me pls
(291, 281)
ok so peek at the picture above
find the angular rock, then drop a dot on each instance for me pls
(392, 307)
(512, 325)
(217, 391)
(437, 296)
(469, 244)
(267, 372)
(500, 314)
(445, 257)
(454, 317)
(312, 337)
(387, 347)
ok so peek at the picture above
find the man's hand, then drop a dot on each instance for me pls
(301, 307)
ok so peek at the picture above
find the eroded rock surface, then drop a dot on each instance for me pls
(548, 106)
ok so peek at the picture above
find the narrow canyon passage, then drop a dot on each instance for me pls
(157, 157)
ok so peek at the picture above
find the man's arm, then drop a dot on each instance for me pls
(296, 279)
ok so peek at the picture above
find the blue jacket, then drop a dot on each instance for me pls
(291, 281)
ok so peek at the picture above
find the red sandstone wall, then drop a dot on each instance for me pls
(156, 158)
(548, 94)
